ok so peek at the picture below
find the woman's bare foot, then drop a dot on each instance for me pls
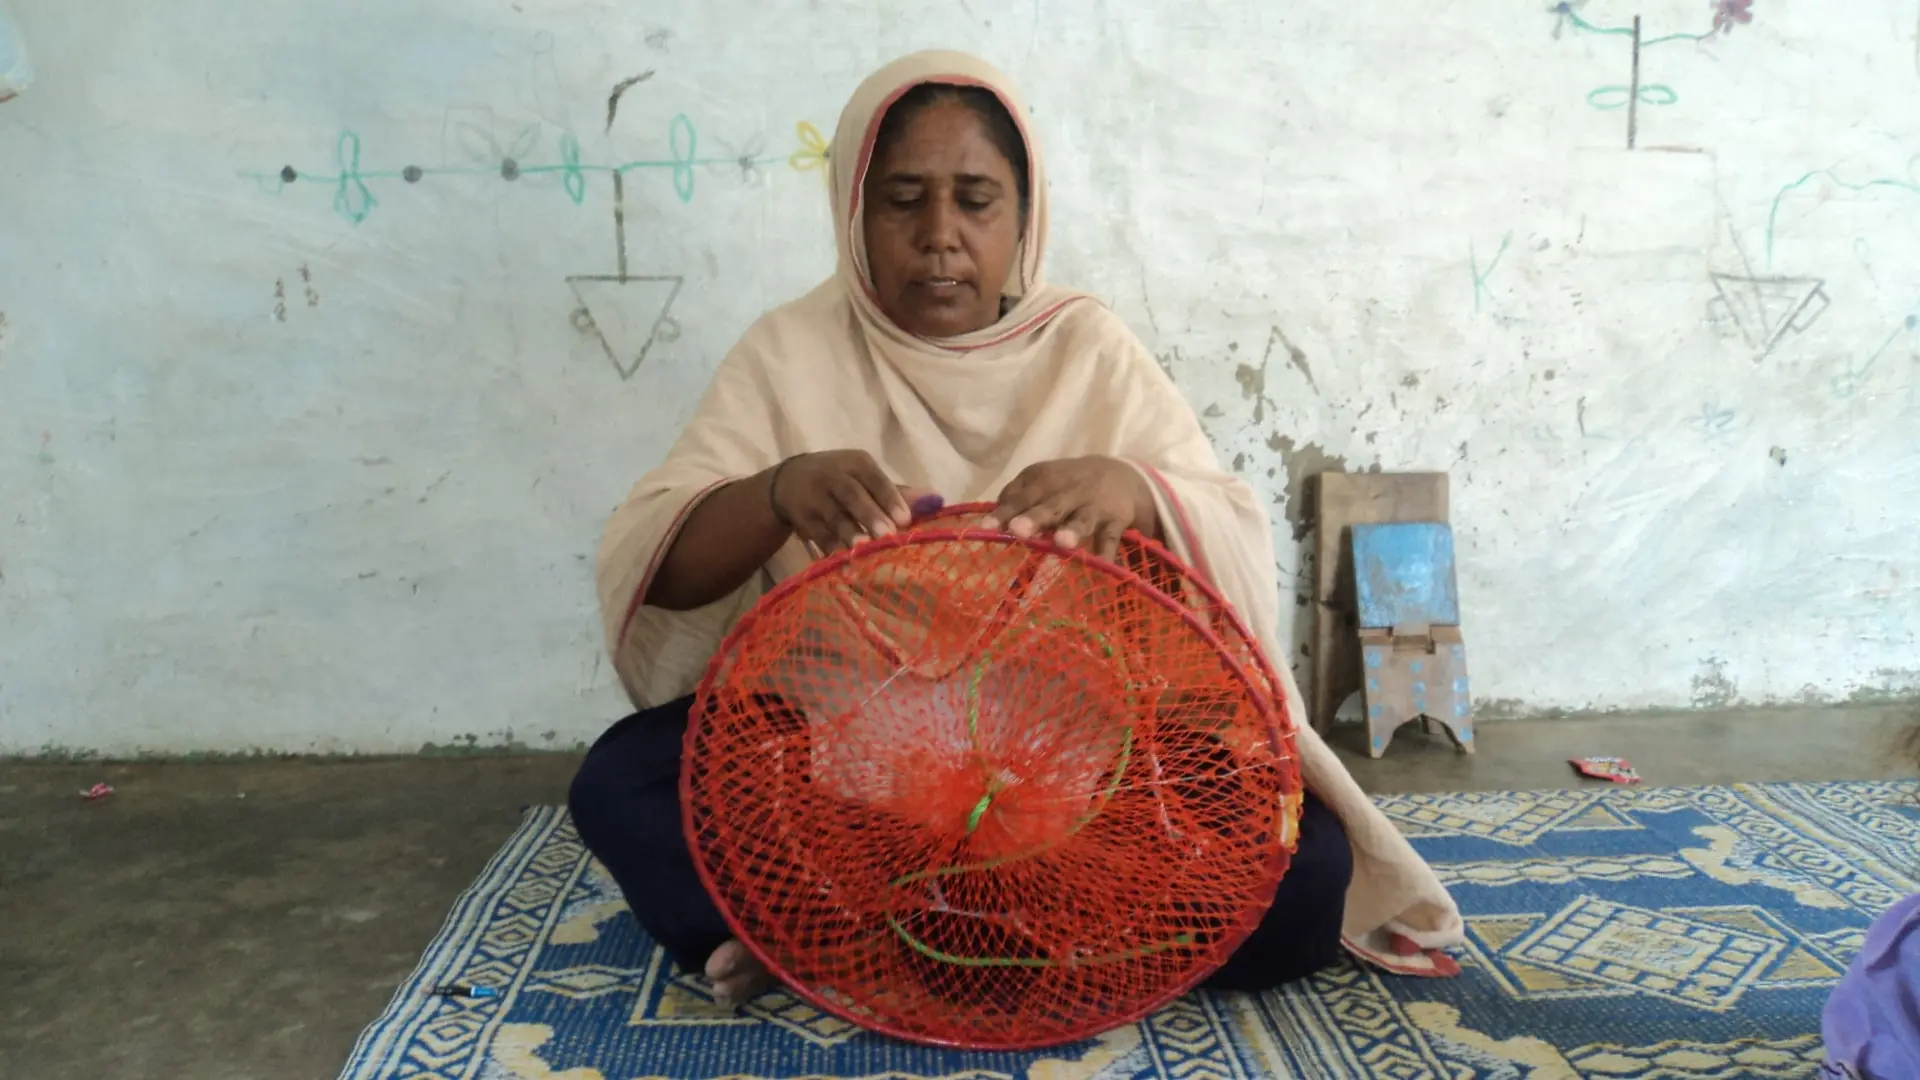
(737, 976)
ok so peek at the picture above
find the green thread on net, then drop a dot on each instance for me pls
(973, 734)
(1177, 941)
(986, 659)
(979, 812)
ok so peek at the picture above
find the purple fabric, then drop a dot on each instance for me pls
(1872, 1021)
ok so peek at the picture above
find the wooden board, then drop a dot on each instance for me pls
(1339, 501)
(1411, 677)
(1403, 573)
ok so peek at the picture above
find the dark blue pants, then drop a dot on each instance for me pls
(626, 805)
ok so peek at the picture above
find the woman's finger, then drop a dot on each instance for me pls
(847, 532)
(1014, 498)
(857, 505)
(1106, 540)
(814, 530)
(1019, 500)
(1081, 524)
(1044, 516)
(882, 494)
(808, 531)
(830, 528)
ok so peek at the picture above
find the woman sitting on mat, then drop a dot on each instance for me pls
(937, 361)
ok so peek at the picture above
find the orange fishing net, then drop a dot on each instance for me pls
(976, 791)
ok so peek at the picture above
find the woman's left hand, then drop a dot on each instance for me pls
(1086, 500)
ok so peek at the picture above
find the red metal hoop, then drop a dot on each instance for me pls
(978, 791)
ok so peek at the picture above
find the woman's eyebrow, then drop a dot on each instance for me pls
(921, 178)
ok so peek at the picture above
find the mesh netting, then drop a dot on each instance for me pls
(971, 790)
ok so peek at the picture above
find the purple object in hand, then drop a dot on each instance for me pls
(927, 506)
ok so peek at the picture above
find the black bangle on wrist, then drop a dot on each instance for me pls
(773, 484)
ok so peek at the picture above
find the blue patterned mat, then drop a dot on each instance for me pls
(1613, 932)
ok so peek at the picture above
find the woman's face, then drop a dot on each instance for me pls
(942, 223)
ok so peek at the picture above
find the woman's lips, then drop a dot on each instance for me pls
(941, 288)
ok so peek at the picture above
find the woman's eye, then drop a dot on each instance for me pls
(976, 203)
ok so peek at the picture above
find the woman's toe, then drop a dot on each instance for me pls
(736, 976)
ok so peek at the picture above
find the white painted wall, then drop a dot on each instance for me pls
(311, 467)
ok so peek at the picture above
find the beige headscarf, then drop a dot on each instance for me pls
(1059, 376)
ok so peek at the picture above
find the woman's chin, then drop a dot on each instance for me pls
(940, 321)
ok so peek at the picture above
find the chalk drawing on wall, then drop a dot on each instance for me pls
(1854, 376)
(1480, 276)
(1908, 184)
(1763, 310)
(616, 307)
(474, 137)
(1635, 92)
(280, 293)
(352, 182)
(620, 88)
(1714, 421)
(629, 314)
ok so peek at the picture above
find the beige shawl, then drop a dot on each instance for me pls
(1058, 376)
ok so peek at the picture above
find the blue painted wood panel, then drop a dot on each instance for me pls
(1403, 573)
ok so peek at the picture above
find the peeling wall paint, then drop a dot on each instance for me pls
(1298, 463)
(1676, 387)
(1712, 689)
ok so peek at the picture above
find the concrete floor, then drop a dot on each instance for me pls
(243, 921)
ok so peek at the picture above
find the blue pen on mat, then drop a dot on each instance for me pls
(466, 991)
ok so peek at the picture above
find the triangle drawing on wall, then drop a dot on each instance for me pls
(629, 314)
(1766, 309)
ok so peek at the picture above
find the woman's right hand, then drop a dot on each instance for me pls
(836, 498)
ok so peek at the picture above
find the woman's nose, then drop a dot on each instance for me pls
(940, 226)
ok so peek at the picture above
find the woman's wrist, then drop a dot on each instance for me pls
(1146, 509)
(773, 492)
